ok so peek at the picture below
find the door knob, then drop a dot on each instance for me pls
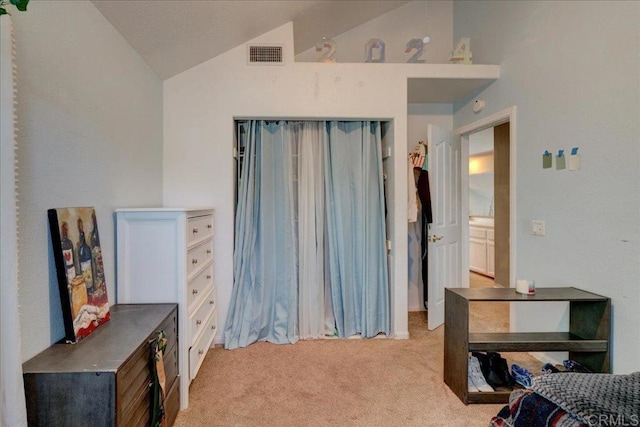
(434, 238)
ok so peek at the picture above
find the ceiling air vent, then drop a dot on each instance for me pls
(265, 55)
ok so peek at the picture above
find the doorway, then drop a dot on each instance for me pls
(503, 207)
(481, 209)
(488, 201)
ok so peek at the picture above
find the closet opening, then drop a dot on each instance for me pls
(311, 231)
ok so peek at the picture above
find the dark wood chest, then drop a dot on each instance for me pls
(107, 379)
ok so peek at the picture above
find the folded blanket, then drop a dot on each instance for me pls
(593, 398)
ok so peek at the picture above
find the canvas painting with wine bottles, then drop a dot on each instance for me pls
(79, 269)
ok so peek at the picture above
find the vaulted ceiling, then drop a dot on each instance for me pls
(175, 35)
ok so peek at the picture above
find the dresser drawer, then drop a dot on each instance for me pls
(199, 349)
(170, 365)
(140, 413)
(197, 286)
(133, 383)
(199, 228)
(170, 328)
(197, 322)
(172, 403)
(198, 256)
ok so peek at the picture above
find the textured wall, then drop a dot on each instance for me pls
(572, 69)
(90, 119)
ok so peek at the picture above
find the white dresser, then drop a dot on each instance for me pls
(166, 255)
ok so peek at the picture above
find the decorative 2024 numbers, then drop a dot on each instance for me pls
(374, 50)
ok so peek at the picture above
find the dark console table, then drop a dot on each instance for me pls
(107, 378)
(587, 340)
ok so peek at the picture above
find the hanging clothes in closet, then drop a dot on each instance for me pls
(419, 159)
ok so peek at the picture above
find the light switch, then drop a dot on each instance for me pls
(537, 227)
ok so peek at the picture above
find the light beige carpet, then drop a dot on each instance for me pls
(375, 382)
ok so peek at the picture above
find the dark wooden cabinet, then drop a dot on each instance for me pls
(587, 340)
(107, 378)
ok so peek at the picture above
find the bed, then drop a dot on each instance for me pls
(574, 399)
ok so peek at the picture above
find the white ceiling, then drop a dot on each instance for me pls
(175, 35)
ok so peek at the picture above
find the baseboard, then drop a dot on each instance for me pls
(401, 335)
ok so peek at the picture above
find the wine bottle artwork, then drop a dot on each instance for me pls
(67, 253)
(80, 271)
(96, 256)
(84, 258)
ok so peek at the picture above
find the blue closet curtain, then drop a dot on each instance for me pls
(282, 217)
(356, 228)
(264, 299)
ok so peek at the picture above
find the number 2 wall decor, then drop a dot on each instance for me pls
(328, 55)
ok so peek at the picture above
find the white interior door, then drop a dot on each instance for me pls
(445, 231)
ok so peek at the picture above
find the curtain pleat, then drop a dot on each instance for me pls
(356, 228)
(311, 285)
(264, 297)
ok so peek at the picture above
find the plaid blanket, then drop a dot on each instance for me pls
(527, 408)
(574, 399)
(594, 397)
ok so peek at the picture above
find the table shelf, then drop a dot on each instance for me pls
(533, 341)
(587, 341)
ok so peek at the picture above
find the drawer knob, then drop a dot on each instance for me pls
(194, 292)
(209, 226)
(208, 277)
(194, 261)
(198, 322)
(213, 327)
(195, 231)
(200, 352)
(211, 302)
(208, 251)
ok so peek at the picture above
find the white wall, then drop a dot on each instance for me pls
(481, 194)
(200, 107)
(415, 19)
(90, 134)
(572, 69)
